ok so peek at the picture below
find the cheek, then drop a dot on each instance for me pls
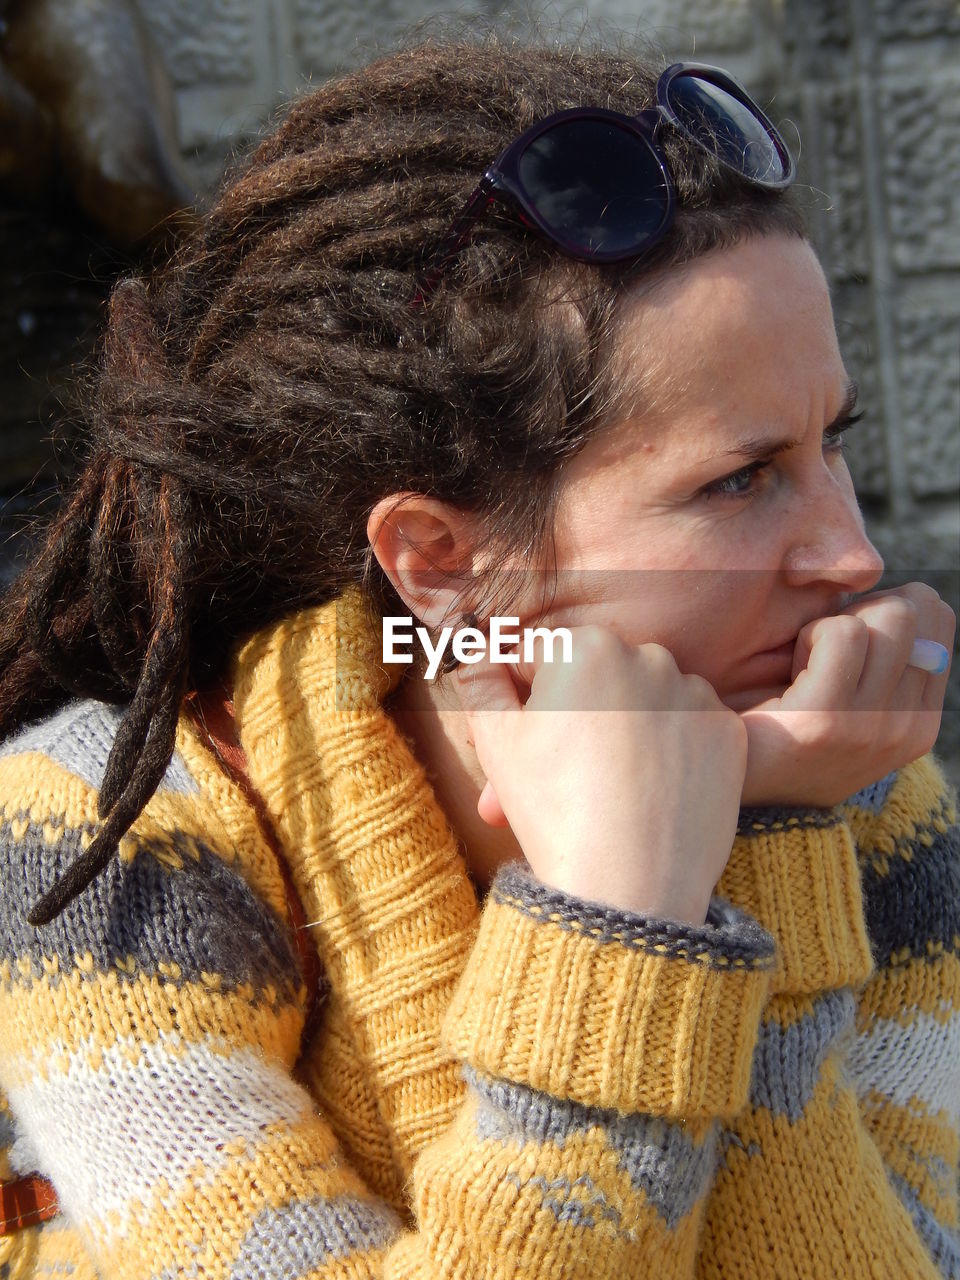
(699, 615)
(715, 619)
(707, 618)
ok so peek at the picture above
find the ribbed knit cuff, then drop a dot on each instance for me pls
(608, 1008)
(796, 872)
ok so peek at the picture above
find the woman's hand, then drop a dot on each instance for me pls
(619, 776)
(855, 710)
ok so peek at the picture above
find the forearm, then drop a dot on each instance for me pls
(602, 1050)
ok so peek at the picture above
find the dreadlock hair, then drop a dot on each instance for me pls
(258, 394)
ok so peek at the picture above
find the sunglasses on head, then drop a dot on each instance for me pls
(596, 184)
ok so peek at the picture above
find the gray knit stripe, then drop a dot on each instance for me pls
(872, 798)
(752, 822)
(942, 1245)
(578, 1201)
(79, 736)
(204, 917)
(661, 1158)
(787, 1061)
(730, 938)
(7, 1132)
(923, 871)
(297, 1239)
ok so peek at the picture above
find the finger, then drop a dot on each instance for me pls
(833, 651)
(887, 680)
(539, 651)
(489, 701)
(935, 689)
(936, 621)
(935, 627)
(925, 598)
(914, 596)
(928, 655)
(897, 677)
(940, 628)
(485, 687)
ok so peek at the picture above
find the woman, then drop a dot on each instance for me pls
(547, 1046)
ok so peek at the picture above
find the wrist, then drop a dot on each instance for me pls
(654, 899)
(658, 1018)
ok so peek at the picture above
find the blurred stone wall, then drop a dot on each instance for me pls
(872, 87)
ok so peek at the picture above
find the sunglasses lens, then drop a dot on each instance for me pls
(710, 112)
(597, 188)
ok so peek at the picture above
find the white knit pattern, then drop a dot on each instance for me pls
(915, 1061)
(210, 1095)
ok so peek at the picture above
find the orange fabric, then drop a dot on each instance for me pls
(25, 1203)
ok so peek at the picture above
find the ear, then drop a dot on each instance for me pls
(427, 549)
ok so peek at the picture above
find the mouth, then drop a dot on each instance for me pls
(768, 673)
(765, 675)
(770, 666)
(784, 650)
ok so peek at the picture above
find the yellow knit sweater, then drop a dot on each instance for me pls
(541, 1088)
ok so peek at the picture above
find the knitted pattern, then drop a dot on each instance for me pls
(539, 1088)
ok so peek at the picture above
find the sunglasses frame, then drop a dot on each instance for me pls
(501, 183)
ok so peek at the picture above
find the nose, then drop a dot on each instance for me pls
(829, 543)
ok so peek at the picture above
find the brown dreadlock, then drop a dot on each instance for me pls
(260, 393)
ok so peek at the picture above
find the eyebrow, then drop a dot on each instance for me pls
(756, 447)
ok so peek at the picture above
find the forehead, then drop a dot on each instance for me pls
(740, 335)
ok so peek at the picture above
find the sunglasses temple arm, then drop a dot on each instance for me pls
(461, 229)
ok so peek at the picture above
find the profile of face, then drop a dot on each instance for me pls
(720, 518)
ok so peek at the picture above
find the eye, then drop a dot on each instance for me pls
(739, 484)
(833, 437)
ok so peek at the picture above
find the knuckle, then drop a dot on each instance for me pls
(947, 619)
(850, 628)
(703, 691)
(920, 593)
(594, 644)
(656, 655)
(888, 610)
(906, 607)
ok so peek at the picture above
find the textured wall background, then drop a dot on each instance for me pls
(873, 87)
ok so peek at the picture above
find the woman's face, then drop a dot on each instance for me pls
(720, 518)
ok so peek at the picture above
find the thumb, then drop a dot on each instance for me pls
(489, 807)
(489, 700)
(485, 686)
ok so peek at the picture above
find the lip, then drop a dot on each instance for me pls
(775, 665)
(787, 645)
